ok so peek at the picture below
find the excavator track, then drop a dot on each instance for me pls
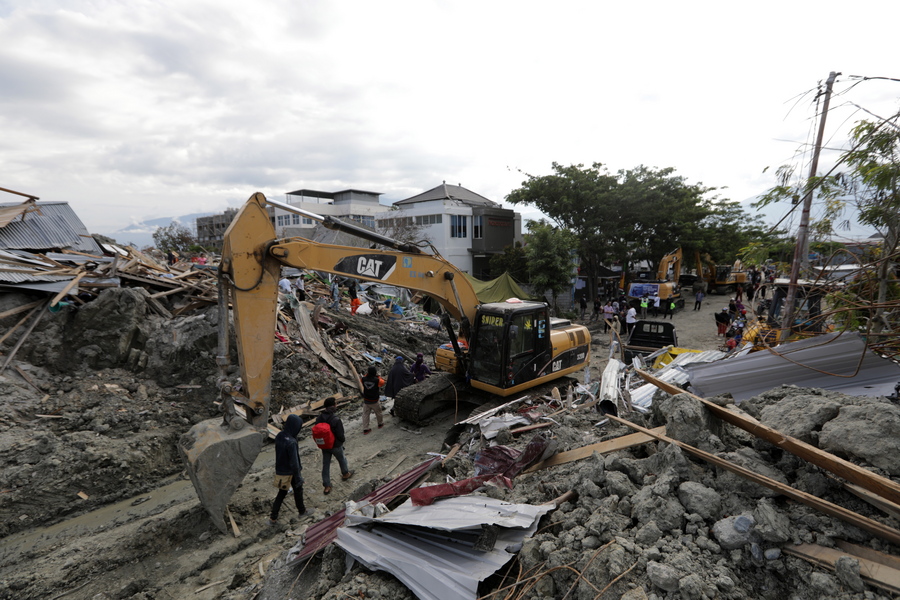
(419, 402)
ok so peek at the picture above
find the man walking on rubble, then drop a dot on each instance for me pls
(335, 294)
(337, 450)
(288, 467)
(371, 384)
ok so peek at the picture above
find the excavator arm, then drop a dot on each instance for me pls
(219, 454)
(672, 261)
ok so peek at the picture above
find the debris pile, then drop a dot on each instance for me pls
(649, 517)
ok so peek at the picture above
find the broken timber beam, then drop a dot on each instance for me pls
(882, 486)
(619, 443)
(873, 572)
(848, 516)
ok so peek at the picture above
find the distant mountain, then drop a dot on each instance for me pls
(140, 235)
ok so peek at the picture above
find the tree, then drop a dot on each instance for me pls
(514, 261)
(549, 253)
(641, 213)
(174, 236)
(400, 227)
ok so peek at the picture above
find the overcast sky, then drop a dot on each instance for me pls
(141, 109)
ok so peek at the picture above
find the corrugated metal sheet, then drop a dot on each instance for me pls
(673, 373)
(9, 212)
(418, 546)
(55, 226)
(827, 361)
(324, 532)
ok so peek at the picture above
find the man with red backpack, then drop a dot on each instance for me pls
(328, 434)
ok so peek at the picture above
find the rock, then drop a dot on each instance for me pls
(847, 571)
(823, 583)
(754, 461)
(771, 525)
(663, 576)
(648, 535)
(800, 416)
(772, 553)
(665, 510)
(691, 587)
(637, 593)
(697, 498)
(734, 532)
(870, 431)
(686, 420)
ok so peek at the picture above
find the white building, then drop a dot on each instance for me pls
(465, 228)
(359, 206)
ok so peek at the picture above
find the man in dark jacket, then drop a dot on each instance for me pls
(287, 466)
(337, 428)
(398, 378)
(371, 391)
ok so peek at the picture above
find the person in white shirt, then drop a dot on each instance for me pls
(630, 319)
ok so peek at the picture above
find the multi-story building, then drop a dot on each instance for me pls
(358, 206)
(211, 229)
(466, 228)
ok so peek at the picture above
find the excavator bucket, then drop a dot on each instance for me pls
(217, 459)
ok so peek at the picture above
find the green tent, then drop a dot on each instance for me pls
(498, 290)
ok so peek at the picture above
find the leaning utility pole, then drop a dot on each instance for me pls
(801, 250)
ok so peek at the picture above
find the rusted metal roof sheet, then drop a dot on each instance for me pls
(325, 531)
(51, 225)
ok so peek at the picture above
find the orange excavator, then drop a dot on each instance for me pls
(507, 347)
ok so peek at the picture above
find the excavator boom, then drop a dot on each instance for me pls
(218, 454)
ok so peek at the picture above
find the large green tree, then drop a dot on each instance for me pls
(550, 261)
(174, 236)
(635, 214)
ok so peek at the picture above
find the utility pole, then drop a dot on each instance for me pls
(801, 250)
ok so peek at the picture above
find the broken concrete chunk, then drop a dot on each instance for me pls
(771, 525)
(663, 576)
(697, 498)
(870, 432)
(800, 416)
(847, 571)
(734, 532)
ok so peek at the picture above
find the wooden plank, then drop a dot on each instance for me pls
(18, 309)
(21, 322)
(234, 527)
(24, 337)
(529, 428)
(862, 477)
(451, 454)
(873, 573)
(395, 465)
(882, 504)
(67, 289)
(27, 379)
(874, 527)
(867, 553)
(619, 443)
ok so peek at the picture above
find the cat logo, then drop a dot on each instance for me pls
(368, 266)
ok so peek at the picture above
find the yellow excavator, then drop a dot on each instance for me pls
(503, 347)
(666, 283)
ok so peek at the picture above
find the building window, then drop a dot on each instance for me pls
(295, 219)
(458, 226)
(307, 221)
(366, 220)
(428, 220)
(477, 227)
(281, 220)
